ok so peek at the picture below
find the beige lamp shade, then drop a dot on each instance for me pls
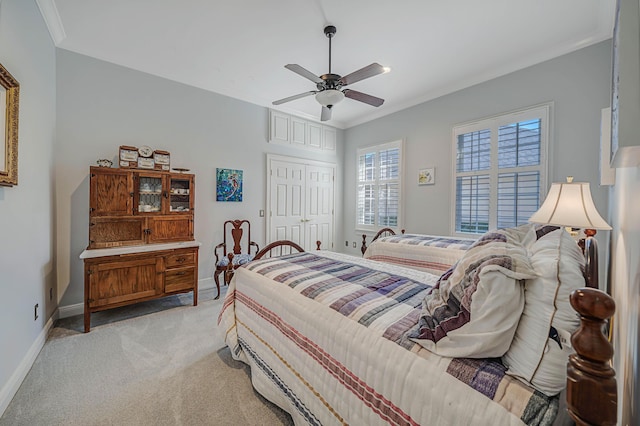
(571, 205)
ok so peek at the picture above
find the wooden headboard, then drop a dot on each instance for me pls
(381, 233)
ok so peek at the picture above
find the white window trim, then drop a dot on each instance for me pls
(380, 147)
(543, 111)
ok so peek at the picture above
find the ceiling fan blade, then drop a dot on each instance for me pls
(326, 114)
(294, 97)
(362, 73)
(303, 72)
(363, 97)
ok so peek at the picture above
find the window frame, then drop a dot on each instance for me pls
(401, 172)
(493, 123)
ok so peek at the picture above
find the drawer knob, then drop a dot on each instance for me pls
(181, 259)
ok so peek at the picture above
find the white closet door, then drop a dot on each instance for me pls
(287, 202)
(319, 206)
(301, 198)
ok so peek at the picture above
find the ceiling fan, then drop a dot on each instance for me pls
(331, 86)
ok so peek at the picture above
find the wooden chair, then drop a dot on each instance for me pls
(229, 258)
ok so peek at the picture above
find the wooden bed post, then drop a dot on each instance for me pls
(381, 233)
(591, 383)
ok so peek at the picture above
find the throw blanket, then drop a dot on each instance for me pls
(474, 309)
(429, 241)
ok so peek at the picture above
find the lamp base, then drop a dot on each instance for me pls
(589, 247)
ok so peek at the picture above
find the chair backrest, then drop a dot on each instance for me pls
(234, 231)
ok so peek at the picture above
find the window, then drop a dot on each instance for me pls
(379, 197)
(500, 170)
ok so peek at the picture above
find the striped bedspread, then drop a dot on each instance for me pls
(427, 253)
(326, 338)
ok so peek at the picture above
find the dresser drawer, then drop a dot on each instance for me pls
(179, 260)
(179, 279)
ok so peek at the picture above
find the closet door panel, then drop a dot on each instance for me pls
(287, 201)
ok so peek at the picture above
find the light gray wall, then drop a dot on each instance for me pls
(101, 106)
(27, 261)
(624, 214)
(578, 84)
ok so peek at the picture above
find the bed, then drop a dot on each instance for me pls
(335, 339)
(429, 253)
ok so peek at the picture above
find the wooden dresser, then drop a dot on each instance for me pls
(141, 243)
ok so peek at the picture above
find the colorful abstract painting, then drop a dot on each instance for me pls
(228, 185)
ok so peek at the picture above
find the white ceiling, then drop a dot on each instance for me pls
(239, 48)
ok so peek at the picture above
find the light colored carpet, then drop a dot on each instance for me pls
(162, 362)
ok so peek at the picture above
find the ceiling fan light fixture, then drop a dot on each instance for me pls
(329, 97)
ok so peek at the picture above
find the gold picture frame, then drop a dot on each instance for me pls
(9, 105)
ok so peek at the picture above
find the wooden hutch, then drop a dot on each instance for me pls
(141, 243)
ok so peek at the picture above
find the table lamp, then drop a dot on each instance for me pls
(570, 204)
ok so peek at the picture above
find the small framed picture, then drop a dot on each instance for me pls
(427, 176)
(228, 185)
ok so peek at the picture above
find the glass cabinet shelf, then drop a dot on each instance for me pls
(179, 195)
(150, 194)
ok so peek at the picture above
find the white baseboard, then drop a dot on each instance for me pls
(206, 284)
(11, 387)
(78, 308)
(70, 310)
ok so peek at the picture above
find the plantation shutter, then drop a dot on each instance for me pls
(518, 191)
(366, 189)
(379, 194)
(473, 182)
(500, 170)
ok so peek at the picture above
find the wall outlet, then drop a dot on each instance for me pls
(261, 213)
(346, 243)
(35, 312)
(354, 244)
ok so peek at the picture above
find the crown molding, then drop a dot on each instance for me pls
(49, 12)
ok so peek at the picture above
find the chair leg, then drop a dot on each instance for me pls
(228, 274)
(216, 278)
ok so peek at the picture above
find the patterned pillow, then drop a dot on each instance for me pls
(474, 308)
(238, 259)
(540, 349)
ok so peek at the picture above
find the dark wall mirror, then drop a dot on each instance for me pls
(9, 95)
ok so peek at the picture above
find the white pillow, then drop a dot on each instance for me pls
(534, 357)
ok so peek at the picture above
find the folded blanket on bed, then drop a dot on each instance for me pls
(427, 253)
(473, 310)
